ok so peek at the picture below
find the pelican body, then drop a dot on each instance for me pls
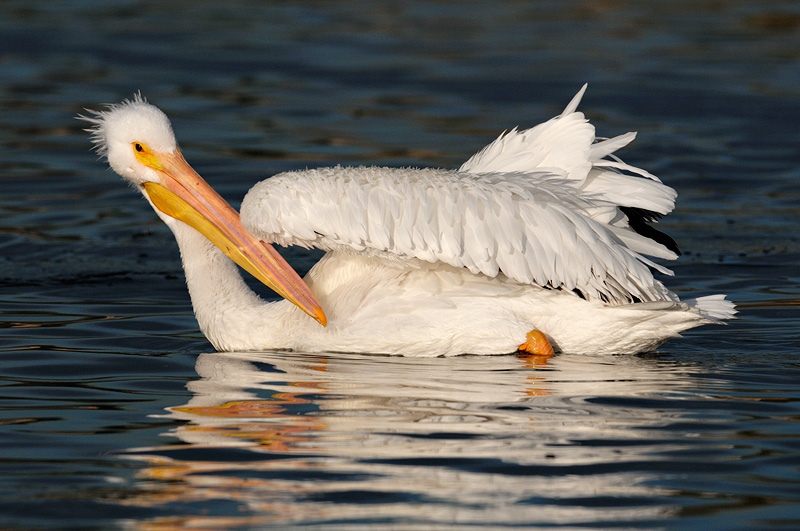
(539, 242)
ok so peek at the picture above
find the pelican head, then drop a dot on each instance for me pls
(120, 128)
(138, 141)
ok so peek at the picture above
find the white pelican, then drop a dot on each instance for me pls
(537, 240)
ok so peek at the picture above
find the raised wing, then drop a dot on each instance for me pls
(541, 206)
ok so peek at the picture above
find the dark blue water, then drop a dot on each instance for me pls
(115, 413)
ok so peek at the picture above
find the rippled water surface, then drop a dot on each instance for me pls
(115, 412)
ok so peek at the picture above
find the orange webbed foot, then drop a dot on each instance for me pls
(537, 344)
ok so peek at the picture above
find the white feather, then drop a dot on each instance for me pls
(544, 217)
(534, 205)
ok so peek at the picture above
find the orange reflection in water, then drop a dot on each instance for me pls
(534, 383)
(273, 435)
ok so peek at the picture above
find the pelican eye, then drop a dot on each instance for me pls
(146, 156)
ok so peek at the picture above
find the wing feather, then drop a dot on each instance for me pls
(540, 206)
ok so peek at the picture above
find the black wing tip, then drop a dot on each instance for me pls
(639, 220)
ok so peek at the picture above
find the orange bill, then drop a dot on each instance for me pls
(185, 196)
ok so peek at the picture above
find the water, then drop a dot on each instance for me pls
(114, 412)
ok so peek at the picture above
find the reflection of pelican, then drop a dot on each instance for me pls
(238, 404)
(277, 433)
(538, 232)
(246, 398)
